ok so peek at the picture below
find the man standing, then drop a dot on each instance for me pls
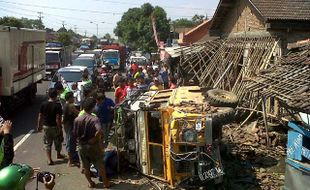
(70, 113)
(116, 78)
(120, 91)
(87, 130)
(165, 76)
(104, 110)
(49, 120)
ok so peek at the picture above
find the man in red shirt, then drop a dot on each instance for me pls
(120, 91)
(134, 68)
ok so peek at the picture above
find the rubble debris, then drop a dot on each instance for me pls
(248, 163)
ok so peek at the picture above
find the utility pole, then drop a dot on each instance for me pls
(97, 29)
(40, 26)
(40, 16)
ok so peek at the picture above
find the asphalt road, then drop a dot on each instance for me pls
(29, 150)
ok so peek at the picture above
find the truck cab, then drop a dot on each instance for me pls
(53, 62)
(174, 136)
(111, 57)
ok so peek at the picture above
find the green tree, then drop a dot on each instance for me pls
(62, 29)
(183, 23)
(11, 21)
(32, 23)
(188, 23)
(107, 36)
(135, 28)
(198, 19)
(65, 38)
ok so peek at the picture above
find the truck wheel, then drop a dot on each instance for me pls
(222, 98)
(223, 116)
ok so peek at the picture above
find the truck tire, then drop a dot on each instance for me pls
(223, 116)
(222, 98)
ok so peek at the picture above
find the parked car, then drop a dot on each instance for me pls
(70, 77)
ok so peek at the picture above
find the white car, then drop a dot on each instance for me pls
(70, 77)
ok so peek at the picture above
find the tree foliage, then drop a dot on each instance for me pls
(198, 19)
(135, 28)
(32, 23)
(188, 23)
(11, 21)
(183, 23)
(22, 23)
(65, 38)
(107, 36)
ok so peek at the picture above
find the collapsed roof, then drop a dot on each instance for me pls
(289, 81)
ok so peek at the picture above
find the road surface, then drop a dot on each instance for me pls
(29, 150)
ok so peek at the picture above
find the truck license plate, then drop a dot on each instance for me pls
(211, 174)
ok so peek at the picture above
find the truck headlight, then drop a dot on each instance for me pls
(189, 135)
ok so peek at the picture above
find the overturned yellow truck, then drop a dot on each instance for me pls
(174, 135)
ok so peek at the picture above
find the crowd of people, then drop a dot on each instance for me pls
(86, 128)
(143, 78)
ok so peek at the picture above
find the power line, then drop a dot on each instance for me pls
(61, 16)
(76, 10)
(164, 6)
(6, 10)
(63, 8)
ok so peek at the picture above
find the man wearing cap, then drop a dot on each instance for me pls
(156, 86)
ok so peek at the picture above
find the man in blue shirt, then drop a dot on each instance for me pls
(105, 112)
(164, 73)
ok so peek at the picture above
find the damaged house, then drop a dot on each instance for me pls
(253, 36)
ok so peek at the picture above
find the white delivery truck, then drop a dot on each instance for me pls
(22, 65)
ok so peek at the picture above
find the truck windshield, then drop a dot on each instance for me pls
(71, 76)
(89, 63)
(110, 54)
(52, 57)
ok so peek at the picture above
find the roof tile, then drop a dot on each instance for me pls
(283, 9)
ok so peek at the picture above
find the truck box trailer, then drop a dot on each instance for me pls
(22, 64)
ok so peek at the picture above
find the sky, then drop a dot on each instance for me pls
(83, 16)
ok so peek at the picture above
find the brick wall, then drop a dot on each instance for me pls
(241, 19)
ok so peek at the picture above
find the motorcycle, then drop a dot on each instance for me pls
(106, 78)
